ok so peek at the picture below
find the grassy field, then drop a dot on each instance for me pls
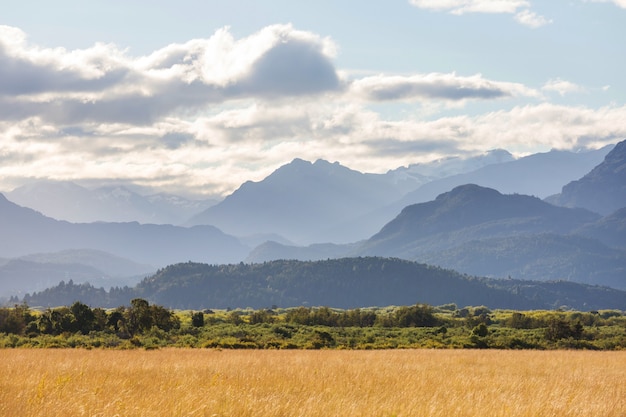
(186, 382)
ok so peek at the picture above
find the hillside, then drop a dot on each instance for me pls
(116, 266)
(611, 229)
(467, 213)
(603, 190)
(538, 257)
(341, 283)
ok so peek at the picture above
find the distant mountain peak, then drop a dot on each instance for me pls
(299, 161)
(302, 201)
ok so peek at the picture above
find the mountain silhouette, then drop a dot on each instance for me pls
(25, 231)
(470, 212)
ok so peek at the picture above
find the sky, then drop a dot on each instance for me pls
(195, 97)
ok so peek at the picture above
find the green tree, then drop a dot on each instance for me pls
(197, 319)
(84, 317)
(559, 328)
(139, 316)
(234, 317)
(15, 320)
(163, 318)
(261, 316)
(518, 321)
(419, 315)
(299, 315)
(481, 330)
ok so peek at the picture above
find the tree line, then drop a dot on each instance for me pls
(124, 321)
(141, 324)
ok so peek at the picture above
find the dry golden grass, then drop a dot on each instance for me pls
(179, 382)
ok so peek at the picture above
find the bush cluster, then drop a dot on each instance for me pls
(149, 326)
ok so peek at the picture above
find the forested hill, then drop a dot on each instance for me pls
(340, 283)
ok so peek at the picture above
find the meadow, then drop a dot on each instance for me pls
(214, 382)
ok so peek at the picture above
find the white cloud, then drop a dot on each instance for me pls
(103, 83)
(524, 16)
(471, 6)
(531, 19)
(207, 115)
(436, 86)
(618, 3)
(562, 87)
(215, 154)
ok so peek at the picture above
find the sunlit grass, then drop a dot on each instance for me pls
(186, 382)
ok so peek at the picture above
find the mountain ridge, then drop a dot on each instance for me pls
(26, 231)
(462, 210)
(603, 189)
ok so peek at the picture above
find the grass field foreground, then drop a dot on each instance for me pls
(191, 382)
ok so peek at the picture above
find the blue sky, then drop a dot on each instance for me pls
(197, 97)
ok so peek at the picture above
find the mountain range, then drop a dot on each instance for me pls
(322, 202)
(331, 211)
(480, 231)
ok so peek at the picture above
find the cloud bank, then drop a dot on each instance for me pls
(103, 84)
(202, 117)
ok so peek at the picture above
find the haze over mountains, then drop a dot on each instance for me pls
(74, 203)
(488, 221)
(37, 272)
(26, 231)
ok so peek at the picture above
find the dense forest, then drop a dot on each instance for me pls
(339, 283)
(144, 325)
